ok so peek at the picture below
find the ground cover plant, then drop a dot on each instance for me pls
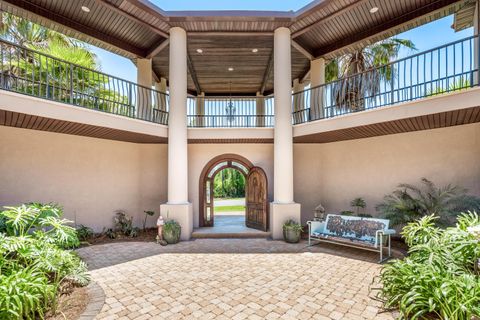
(36, 265)
(437, 280)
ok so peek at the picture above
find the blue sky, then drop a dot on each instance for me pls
(426, 37)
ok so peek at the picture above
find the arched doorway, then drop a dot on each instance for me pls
(256, 204)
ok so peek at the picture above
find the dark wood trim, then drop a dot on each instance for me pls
(229, 157)
(193, 74)
(326, 19)
(157, 48)
(383, 27)
(266, 75)
(302, 50)
(87, 30)
(229, 34)
(131, 17)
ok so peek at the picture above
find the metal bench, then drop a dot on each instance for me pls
(370, 234)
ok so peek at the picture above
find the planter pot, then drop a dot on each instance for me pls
(172, 235)
(291, 235)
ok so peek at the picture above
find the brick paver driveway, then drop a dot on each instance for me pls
(233, 279)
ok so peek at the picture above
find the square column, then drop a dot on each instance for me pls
(317, 78)
(260, 110)
(161, 97)
(144, 92)
(178, 207)
(283, 206)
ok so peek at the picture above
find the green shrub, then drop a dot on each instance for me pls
(84, 233)
(124, 225)
(437, 279)
(409, 203)
(34, 267)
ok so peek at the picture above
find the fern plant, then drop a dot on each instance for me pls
(409, 203)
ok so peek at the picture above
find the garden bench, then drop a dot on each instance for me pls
(370, 234)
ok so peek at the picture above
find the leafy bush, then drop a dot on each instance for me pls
(409, 203)
(84, 233)
(358, 204)
(437, 279)
(123, 225)
(34, 267)
(293, 225)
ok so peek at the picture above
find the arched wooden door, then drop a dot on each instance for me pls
(256, 199)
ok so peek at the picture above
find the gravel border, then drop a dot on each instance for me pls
(95, 305)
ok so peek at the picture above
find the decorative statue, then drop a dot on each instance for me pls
(160, 223)
(319, 212)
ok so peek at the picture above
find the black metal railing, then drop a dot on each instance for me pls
(30, 72)
(230, 112)
(447, 68)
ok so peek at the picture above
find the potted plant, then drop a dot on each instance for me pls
(171, 231)
(292, 231)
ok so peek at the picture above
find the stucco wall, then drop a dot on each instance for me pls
(90, 178)
(335, 173)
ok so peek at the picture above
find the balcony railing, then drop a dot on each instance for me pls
(443, 69)
(230, 112)
(30, 72)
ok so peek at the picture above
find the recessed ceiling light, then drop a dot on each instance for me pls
(374, 9)
(199, 50)
(85, 9)
(230, 69)
(255, 50)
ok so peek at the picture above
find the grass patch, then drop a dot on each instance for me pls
(229, 208)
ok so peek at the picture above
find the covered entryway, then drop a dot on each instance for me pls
(256, 206)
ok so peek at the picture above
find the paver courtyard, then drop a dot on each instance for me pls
(233, 279)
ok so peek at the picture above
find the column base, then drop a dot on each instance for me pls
(183, 214)
(281, 212)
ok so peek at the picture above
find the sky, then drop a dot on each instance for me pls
(425, 37)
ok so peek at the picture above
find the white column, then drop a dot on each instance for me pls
(283, 207)
(260, 110)
(200, 110)
(317, 78)
(144, 95)
(298, 101)
(476, 26)
(178, 207)
(162, 98)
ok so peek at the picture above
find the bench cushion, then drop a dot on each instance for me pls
(351, 227)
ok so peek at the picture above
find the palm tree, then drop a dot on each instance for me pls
(359, 74)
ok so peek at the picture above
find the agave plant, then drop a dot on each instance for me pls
(409, 203)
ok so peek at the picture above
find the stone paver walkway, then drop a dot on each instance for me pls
(233, 279)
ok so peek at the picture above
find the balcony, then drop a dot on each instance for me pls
(448, 68)
(33, 73)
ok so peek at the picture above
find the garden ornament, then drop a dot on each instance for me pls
(160, 223)
(319, 212)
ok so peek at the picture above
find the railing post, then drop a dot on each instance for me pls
(71, 84)
(130, 102)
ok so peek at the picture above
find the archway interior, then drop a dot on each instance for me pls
(209, 186)
(229, 188)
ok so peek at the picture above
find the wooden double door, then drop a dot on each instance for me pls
(256, 200)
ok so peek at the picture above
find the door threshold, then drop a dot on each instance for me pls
(210, 233)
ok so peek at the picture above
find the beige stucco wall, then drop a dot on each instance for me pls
(90, 178)
(335, 173)
(261, 155)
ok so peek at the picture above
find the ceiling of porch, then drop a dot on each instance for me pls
(227, 39)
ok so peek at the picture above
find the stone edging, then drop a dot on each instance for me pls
(97, 299)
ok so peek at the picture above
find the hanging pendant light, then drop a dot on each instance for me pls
(230, 110)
